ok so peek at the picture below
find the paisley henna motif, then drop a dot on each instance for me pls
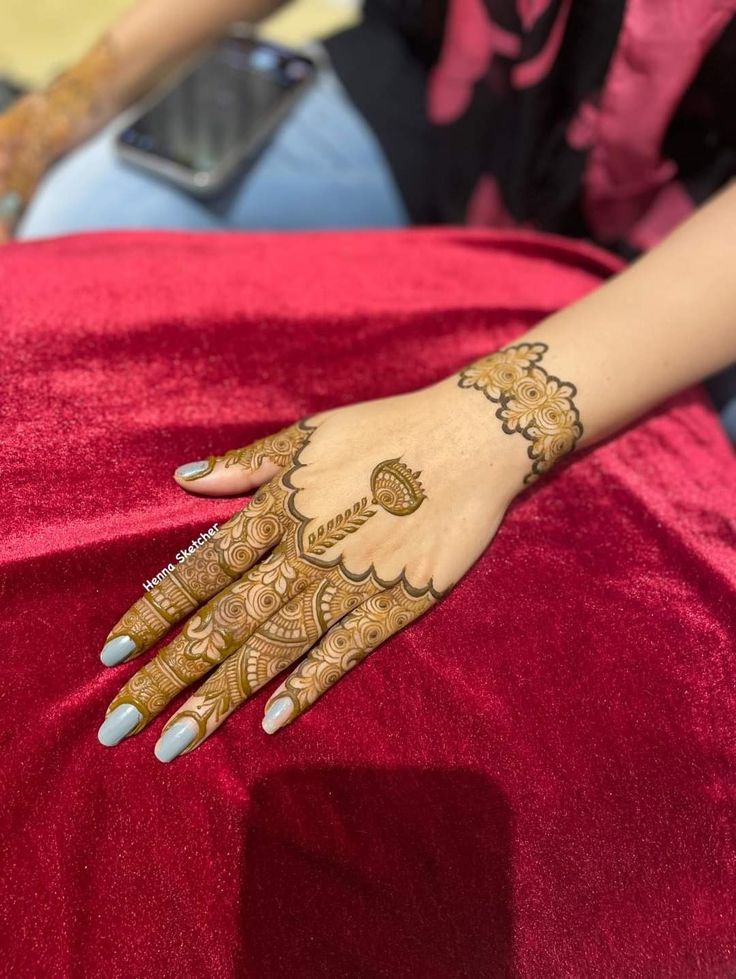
(396, 488)
(531, 402)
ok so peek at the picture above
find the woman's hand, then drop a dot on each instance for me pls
(365, 517)
(149, 38)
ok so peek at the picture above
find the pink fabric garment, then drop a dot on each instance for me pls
(661, 46)
(486, 207)
(671, 206)
(471, 41)
(529, 72)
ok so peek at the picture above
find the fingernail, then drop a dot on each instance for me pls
(116, 650)
(118, 724)
(175, 739)
(191, 470)
(277, 714)
(10, 204)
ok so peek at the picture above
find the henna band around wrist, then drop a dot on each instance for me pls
(530, 402)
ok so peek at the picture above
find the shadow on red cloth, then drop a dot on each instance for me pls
(337, 862)
(562, 725)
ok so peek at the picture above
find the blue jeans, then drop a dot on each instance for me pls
(324, 168)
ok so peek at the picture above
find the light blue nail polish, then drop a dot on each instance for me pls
(191, 469)
(277, 714)
(10, 204)
(175, 739)
(118, 724)
(117, 650)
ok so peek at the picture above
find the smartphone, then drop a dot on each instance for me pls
(207, 126)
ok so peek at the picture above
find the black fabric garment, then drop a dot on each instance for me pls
(384, 63)
(701, 138)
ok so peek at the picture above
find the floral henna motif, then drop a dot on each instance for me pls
(278, 643)
(350, 642)
(279, 449)
(216, 631)
(251, 532)
(531, 402)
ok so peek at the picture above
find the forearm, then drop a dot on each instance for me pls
(157, 33)
(147, 39)
(666, 322)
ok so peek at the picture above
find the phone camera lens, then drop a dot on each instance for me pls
(263, 59)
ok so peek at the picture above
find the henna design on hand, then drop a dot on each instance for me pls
(286, 636)
(395, 488)
(262, 622)
(348, 644)
(531, 402)
(234, 549)
(336, 529)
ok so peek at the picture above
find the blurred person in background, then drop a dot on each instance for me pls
(606, 119)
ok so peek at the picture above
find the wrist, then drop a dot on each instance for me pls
(494, 459)
(532, 411)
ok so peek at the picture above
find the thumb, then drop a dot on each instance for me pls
(242, 470)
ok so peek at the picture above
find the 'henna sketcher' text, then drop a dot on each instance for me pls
(181, 556)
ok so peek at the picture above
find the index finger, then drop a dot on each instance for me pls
(230, 552)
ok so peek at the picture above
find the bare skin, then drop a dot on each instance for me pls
(366, 516)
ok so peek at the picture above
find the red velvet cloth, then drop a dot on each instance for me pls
(537, 779)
